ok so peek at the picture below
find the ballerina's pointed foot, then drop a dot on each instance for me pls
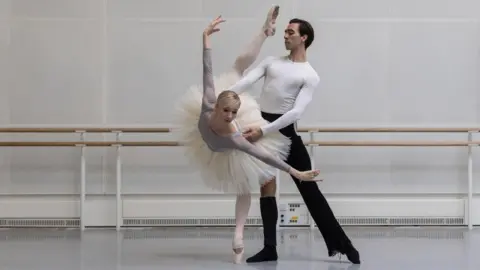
(238, 250)
(269, 26)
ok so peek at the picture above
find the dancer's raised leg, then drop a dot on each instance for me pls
(252, 50)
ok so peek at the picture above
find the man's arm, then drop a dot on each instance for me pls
(252, 77)
(303, 99)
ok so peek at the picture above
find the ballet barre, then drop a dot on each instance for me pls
(302, 129)
(390, 129)
(174, 143)
(311, 143)
(85, 129)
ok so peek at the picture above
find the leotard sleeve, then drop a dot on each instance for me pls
(209, 98)
(244, 145)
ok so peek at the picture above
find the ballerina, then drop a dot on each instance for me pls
(212, 123)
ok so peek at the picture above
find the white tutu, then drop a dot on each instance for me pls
(232, 170)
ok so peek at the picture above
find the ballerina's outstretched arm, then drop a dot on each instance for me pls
(209, 97)
(253, 150)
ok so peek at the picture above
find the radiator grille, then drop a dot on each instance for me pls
(344, 221)
(189, 222)
(39, 223)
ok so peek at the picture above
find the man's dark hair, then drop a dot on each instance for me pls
(305, 28)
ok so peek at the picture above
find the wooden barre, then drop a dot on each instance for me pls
(391, 143)
(87, 143)
(86, 129)
(173, 143)
(388, 129)
(167, 130)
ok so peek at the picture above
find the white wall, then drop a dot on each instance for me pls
(119, 62)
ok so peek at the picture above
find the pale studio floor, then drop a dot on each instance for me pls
(209, 248)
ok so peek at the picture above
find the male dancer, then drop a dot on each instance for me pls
(288, 88)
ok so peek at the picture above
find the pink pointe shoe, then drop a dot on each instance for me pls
(269, 26)
(238, 250)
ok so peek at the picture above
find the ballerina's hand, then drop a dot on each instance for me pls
(309, 175)
(212, 27)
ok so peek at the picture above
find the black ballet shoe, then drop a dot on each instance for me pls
(353, 255)
(333, 253)
(267, 254)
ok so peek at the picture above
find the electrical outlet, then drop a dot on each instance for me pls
(293, 214)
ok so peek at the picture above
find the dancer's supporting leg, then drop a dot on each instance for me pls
(269, 212)
(242, 206)
(251, 52)
(243, 62)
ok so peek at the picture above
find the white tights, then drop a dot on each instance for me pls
(243, 62)
(242, 206)
(250, 54)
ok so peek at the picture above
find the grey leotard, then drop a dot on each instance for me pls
(219, 143)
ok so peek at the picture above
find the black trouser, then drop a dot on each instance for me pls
(335, 238)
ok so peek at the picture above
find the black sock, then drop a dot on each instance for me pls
(269, 211)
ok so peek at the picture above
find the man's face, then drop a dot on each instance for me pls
(292, 37)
